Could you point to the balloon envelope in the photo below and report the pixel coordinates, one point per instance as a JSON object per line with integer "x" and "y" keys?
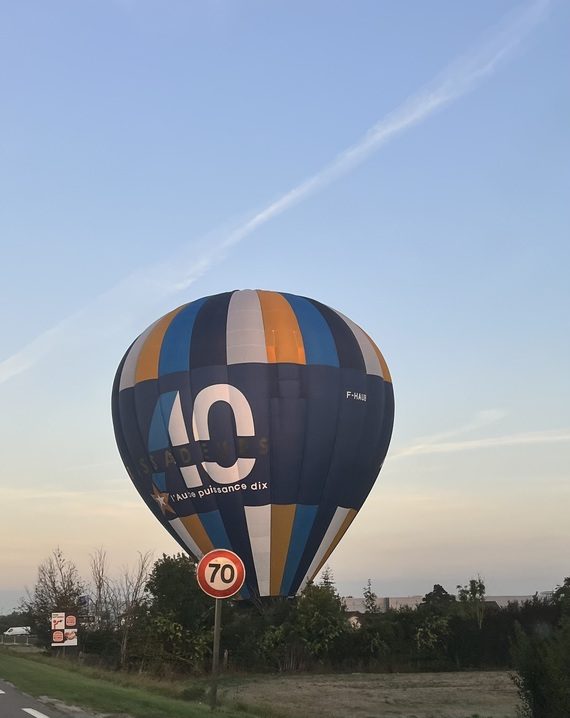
{"x": 258, "y": 422}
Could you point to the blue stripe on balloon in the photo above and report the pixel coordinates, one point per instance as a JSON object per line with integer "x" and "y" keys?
{"x": 323, "y": 517}
{"x": 302, "y": 525}
{"x": 158, "y": 432}
{"x": 348, "y": 349}
{"x": 214, "y": 527}
{"x": 318, "y": 340}
{"x": 159, "y": 480}
{"x": 175, "y": 350}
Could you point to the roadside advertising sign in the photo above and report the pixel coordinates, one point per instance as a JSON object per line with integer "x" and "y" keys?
{"x": 63, "y": 629}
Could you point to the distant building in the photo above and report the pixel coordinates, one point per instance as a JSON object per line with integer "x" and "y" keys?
{"x": 355, "y": 606}
{"x": 503, "y": 601}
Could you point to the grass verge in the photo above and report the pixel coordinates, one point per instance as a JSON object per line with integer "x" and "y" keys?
{"x": 106, "y": 691}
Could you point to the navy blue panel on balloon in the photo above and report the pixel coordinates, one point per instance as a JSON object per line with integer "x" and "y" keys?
{"x": 208, "y": 346}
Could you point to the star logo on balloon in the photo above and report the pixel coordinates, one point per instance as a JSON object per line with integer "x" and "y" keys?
{"x": 161, "y": 499}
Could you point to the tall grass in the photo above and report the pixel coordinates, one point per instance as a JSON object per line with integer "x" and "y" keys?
{"x": 106, "y": 691}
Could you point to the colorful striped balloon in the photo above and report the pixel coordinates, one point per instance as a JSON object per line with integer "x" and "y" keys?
{"x": 258, "y": 422}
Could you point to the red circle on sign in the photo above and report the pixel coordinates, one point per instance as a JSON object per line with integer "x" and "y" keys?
{"x": 220, "y": 573}
{"x": 70, "y": 621}
{"x": 57, "y": 637}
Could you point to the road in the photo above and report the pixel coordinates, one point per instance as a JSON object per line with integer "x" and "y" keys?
{"x": 14, "y": 704}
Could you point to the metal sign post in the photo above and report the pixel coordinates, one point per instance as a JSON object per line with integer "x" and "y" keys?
{"x": 220, "y": 574}
{"x": 216, "y": 653}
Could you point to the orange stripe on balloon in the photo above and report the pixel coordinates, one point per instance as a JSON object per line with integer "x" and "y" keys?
{"x": 147, "y": 364}
{"x": 194, "y": 526}
{"x": 349, "y": 518}
{"x": 385, "y": 371}
{"x": 283, "y": 337}
{"x": 282, "y": 517}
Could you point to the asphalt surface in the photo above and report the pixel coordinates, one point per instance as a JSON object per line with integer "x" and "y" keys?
{"x": 14, "y": 704}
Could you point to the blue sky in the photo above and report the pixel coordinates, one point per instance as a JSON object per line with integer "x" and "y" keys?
{"x": 143, "y": 147}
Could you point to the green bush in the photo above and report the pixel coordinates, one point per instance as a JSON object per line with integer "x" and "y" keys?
{"x": 542, "y": 661}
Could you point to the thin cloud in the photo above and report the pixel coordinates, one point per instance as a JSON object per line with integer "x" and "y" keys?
{"x": 459, "y": 78}
{"x": 522, "y": 439}
{"x": 94, "y": 465}
{"x": 480, "y": 421}
{"x": 35, "y": 350}
{"x": 45, "y": 502}
{"x": 84, "y": 497}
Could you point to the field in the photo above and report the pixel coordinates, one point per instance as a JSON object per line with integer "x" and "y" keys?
{"x": 397, "y": 695}
{"x": 400, "y": 695}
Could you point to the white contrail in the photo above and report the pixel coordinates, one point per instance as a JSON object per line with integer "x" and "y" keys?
{"x": 481, "y": 420}
{"x": 560, "y": 436}
{"x": 457, "y": 79}
{"x": 460, "y": 77}
{"x": 32, "y": 352}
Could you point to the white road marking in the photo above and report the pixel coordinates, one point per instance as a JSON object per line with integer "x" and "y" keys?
{"x": 2, "y": 692}
{"x": 34, "y": 713}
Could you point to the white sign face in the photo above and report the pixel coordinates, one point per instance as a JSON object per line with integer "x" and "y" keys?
{"x": 70, "y": 637}
{"x": 221, "y": 573}
{"x": 57, "y": 621}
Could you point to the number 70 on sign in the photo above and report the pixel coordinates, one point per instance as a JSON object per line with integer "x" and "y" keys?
{"x": 220, "y": 573}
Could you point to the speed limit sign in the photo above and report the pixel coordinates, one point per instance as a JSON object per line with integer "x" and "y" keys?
{"x": 220, "y": 573}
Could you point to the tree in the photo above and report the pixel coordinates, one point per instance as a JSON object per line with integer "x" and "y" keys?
{"x": 472, "y": 598}
{"x": 320, "y": 616}
{"x": 438, "y": 600}
{"x": 58, "y": 588}
{"x": 431, "y": 634}
{"x": 280, "y": 643}
{"x": 174, "y": 592}
{"x": 103, "y": 600}
{"x": 127, "y": 595}
{"x": 370, "y": 599}
{"x": 561, "y": 596}
{"x": 180, "y": 612}
{"x": 542, "y": 661}
{"x": 371, "y": 639}
{"x": 327, "y": 579}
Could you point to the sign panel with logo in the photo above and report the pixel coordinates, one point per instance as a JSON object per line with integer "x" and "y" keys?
{"x": 57, "y": 621}
{"x": 63, "y": 629}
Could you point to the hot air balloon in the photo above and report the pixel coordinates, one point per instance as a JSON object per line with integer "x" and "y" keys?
{"x": 258, "y": 422}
